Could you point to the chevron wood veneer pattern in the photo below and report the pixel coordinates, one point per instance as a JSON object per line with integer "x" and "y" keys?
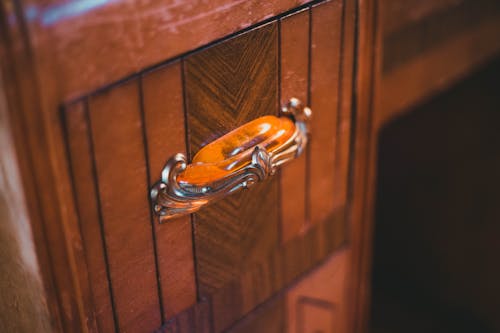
{"x": 226, "y": 86}
{"x": 280, "y": 270}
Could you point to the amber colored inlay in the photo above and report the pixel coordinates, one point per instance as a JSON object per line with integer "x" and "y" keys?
{"x": 233, "y": 151}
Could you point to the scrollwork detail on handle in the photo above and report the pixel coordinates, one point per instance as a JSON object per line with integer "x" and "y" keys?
{"x": 171, "y": 198}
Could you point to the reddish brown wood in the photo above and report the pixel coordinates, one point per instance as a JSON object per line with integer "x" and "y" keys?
{"x": 363, "y": 163}
{"x": 270, "y": 319}
{"x": 273, "y": 275}
{"x": 195, "y": 319}
{"x": 82, "y": 170}
{"x": 325, "y": 64}
{"x": 345, "y": 116}
{"x": 23, "y": 302}
{"x": 227, "y": 86}
{"x": 318, "y": 302}
{"x": 294, "y": 83}
{"x": 396, "y": 14}
{"x": 117, "y": 138}
{"x": 52, "y": 210}
{"x": 96, "y": 44}
{"x": 165, "y": 136}
{"x": 435, "y": 70}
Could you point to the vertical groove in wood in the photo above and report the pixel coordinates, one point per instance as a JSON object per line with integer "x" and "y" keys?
{"x": 228, "y": 85}
{"x": 165, "y": 133}
{"x": 115, "y": 123}
{"x": 345, "y": 116}
{"x": 306, "y": 252}
{"x": 294, "y": 83}
{"x": 81, "y": 164}
{"x": 308, "y": 148}
{"x": 318, "y": 302}
{"x": 325, "y": 62}
{"x": 75, "y": 236}
{"x": 147, "y": 189}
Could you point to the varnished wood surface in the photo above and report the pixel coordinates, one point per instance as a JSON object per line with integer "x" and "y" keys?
{"x": 23, "y": 300}
{"x": 57, "y": 80}
{"x": 294, "y": 71}
{"x": 287, "y": 264}
{"x": 434, "y": 43}
{"x": 326, "y": 34}
{"x": 152, "y": 107}
{"x": 363, "y": 162}
{"x": 94, "y": 43}
{"x": 38, "y": 169}
{"x": 87, "y": 206}
{"x": 318, "y": 303}
{"x": 163, "y": 107}
{"x": 117, "y": 138}
{"x": 268, "y": 318}
{"x": 398, "y": 14}
{"x": 426, "y": 47}
{"x": 227, "y": 86}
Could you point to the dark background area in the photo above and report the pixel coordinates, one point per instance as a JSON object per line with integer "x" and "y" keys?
{"x": 437, "y": 231}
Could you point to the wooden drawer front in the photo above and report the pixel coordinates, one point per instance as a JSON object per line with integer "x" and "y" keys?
{"x": 218, "y": 264}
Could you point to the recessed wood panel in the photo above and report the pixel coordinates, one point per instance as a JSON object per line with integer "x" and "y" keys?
{"x": 318, "y": 302}
{"x": 326, "y": 34}
{"x": 82, "y": 169}
{"x": 294, "y": 83}
{"x": 227, "y": 86}
{"x": 117, "y": 137}
{"x": 165, "y": 136}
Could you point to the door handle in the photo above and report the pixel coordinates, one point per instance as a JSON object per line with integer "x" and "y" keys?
{"x": 235, "y": 161}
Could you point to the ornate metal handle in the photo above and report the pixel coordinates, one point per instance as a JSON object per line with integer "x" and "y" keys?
{"x": 235, "y": 161}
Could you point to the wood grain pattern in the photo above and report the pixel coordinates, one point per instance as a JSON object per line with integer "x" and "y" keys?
{"x": 269, "y": 318}
{"x": 196, "y": 319}
{"x": 363, "y": 165}
{"x": 325, "y": 65}
{"x": 383, "y": 96}
{"x": 472, "y": 48}
{"x": 97, "y": 43}
{"x": 227, "y": 305}
{"x": 318, "y": 302}
{"x": 23, "y": 301}
{"x": 397, "y": 14}
{"x": 235, "y": 281}
{"x": 82, "y": 169}
{"x": 117, "y": 138}
{"x": 165, "y": 136}
{"x": 52, "y": 210}
{"x": 227, "y": 86}
{"x": 294, "y": 83}
{"x": 414, "y": 39}
{"x": 466, "y": 29}
{"x": 347, "y": 109}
